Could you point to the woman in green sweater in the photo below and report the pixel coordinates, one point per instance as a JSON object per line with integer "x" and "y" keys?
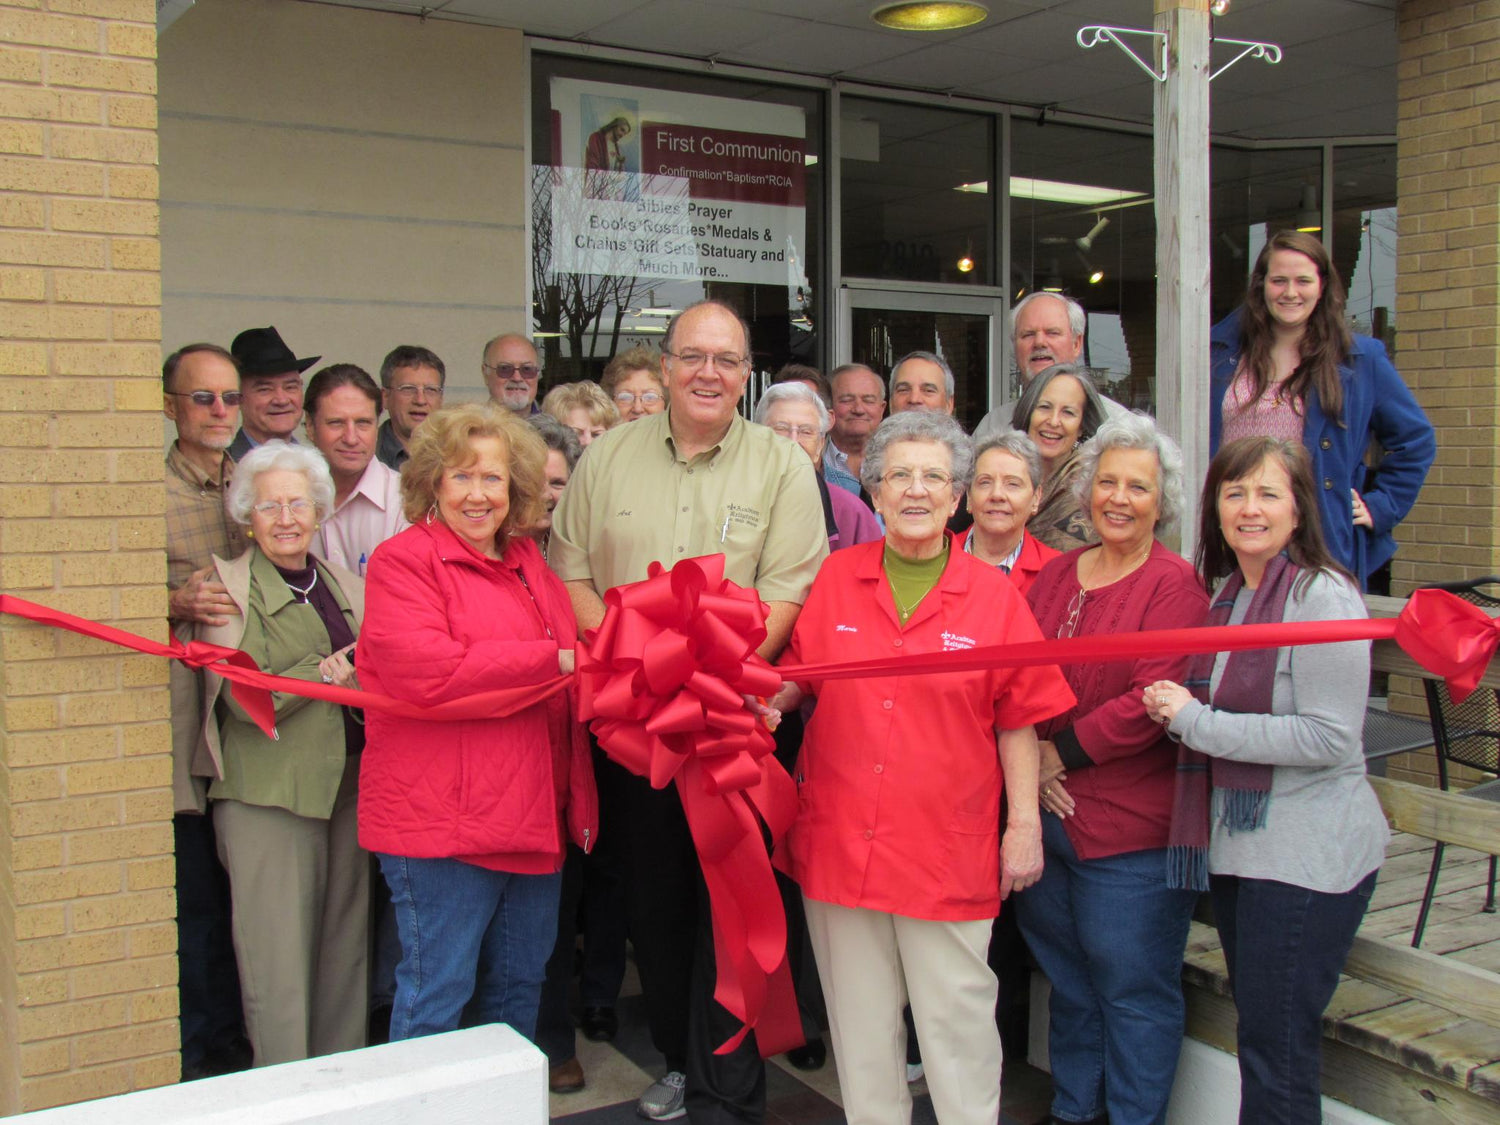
{"x": 284, "y": 809}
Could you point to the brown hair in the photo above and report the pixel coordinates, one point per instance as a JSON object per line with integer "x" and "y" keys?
{"x": 1239, "y": 459}
{"x": 629, "y": 362}
{"x": 173, "y": 361}
{"x": 1325, "y": 340}
{"x": 445, "y": 441}
{"x": 801, "y": 373}
{"x": 334, "y": 376}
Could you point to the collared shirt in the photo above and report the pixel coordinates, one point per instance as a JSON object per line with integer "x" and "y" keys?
{"x": 1008, "y": 561}
{"x": 836, "y": 468}
{"x": 198, "y": 528}
{"x": 634, "y": 499}
{"x": 899, "y": 780}
{"x": 388, "y": 448}
{"x": 243, "y": 443}
{"x": 369, "y": 515}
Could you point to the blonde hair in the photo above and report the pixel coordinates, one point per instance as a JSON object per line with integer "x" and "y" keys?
{"x": 628, "y": 363}
{"x": 585, "y": 395}
{"x": 445, "y": 440}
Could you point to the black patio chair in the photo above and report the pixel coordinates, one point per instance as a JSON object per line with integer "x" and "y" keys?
{"x": 1467, "y": 734}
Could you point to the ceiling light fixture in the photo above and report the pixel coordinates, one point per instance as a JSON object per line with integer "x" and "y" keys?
{"x": 1086, "y": 243}
{"x": 966, "y": 264}
{"x": 930, "y": 15}
{"x": 1056, "y": 191}
{"x": 1219, "y": 8}
{"x": 1309, "y": 218}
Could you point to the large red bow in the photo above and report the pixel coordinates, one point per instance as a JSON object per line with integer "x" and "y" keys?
{"x": 1448, "y": 636}
{"x": 663, "y": 680}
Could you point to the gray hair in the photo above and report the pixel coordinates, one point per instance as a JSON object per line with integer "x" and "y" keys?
{"x": 792, "y": 392}
{"x": 1019, "y": 446}
{"x": 1078, "y": 320}
{"x": 557, "y": 436}
{"x": 918, "y": 425}
{"x": 930, "y": 357}
{"x": 277, "y": 454}
{"x": 1136, "y": 430}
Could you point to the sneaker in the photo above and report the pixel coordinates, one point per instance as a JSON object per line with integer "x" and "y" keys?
{"x": 664, "y": 1099}
{"x": 914, "y": 1072}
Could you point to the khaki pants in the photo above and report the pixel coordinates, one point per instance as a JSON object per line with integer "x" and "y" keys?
{"x": 300, "y": 892}
{"x": 871, "y": 964}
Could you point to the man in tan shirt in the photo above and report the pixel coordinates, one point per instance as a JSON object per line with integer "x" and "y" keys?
{"x": 201, "y": 394}
{"x": 696, "y": 480}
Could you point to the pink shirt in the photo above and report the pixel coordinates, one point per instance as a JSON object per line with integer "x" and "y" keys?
{"x": 369, "y": 516}
{"x": 1272, "y": 415}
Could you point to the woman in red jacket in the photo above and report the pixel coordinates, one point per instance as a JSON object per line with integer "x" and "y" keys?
{"x": 1102, "y": 922}
{"x": 467, "y": 817}
{"x": 1006, "y": 493}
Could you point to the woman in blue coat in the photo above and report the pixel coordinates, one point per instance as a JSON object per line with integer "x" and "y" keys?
{"x": 1285, "y": 366}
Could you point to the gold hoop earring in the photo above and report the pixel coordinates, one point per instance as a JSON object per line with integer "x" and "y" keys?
{"x": 431, "y": 515}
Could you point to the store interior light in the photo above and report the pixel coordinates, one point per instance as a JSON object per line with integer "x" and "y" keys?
{"x": 1055, "y": 191}
{"x": 966, "y": 264}
{"x": 662, "y": 312}
{"x": 1309, "y": 215}
{"x": 930, "y": 15}
{"x": 1219, "y": 8}
{"x": 1096, "y": 277}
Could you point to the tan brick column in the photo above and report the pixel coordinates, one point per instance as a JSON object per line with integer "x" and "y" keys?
{"x": 88, "y": 998}
{"x": 1447, "y": 299}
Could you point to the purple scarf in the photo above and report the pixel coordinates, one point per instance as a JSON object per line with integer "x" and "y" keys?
{"x": 1237, "y": 794}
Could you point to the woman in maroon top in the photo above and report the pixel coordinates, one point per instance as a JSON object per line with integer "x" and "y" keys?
{"x": 1102, "y": 922}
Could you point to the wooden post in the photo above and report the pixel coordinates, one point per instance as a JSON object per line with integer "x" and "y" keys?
{"x": 1182, "y": 242}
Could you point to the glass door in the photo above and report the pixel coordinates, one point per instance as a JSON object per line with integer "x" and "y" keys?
{"x": 877, "y": 326}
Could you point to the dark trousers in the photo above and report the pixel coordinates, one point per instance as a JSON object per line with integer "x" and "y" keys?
{"x": 208, "y": 978}
{"x": 593, "y": 898}
{"x": 1284, "y": 946}
{"x": 674, "y": 950}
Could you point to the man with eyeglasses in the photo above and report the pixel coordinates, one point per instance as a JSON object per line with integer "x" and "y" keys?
{"x": 512, "y": 372}
{"x": 696, "y": 480}
{"x": 412, "y": 380}
{"x": 201, "y": 395}
{"x": 858, "y": 407}
{"x": 271, "y": 380}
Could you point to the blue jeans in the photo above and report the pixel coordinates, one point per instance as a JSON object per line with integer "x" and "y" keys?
{"x": 1285, "y": 947}
{"x": 1110, "y": 934}
{"x": 473, "y": 942}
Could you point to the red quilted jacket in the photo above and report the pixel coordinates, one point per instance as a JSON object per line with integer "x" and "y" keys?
{"x": 442, "y": 622}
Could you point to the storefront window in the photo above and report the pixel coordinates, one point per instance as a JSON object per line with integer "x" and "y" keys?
{"x": 917, "y": 202}
{"x": 651, "y": 190}
{"x": 1364, "y": 237}
{"x": 1255, "y": 194}
{"x": 1083, "y": 224}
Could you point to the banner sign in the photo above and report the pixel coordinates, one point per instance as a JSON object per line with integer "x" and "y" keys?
{"x": 658, "y": 184}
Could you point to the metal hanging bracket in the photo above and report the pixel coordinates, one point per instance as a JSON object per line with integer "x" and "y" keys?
{"x": 1095, "y": 34}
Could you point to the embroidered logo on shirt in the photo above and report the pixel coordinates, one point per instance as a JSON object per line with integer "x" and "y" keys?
{"x": 952, "y": 641}
{"x": 845, "y": 629}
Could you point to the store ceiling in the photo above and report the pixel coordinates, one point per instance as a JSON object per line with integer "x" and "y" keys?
{"x": 1337, "y": 77}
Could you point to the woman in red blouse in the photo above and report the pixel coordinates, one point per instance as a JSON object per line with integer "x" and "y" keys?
{"x": 1102, "y": 922}
{"x": 897, "y": 844}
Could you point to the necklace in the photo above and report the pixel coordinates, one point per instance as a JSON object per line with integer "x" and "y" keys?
{"x": 1075, "y": 605}
{"x": 300, "y": 590}
{"x": 907, "y": 610}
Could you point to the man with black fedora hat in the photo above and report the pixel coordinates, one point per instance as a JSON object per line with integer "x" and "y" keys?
{"x": 271, "y": 381}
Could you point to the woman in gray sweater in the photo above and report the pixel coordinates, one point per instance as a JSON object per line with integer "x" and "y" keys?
{"x": 1273, "y": 811}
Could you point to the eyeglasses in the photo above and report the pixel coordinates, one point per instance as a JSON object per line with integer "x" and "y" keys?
{"x": 208, "y": 398}
{"x": 506, "y": 370}
{"x": 412, "y": 390}
{"x": 645, "y": 398}
{"x": 932, "y": 479}
{"x": 297, "y": 509}
{"x": 725, "y": 363}
{"x": 796, "y": 433}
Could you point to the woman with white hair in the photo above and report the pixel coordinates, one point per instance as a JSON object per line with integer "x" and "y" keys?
{"x": 796, "y": 412}
{"x": 284, "y": 808}
{"x": 1102, "y": 921}
{"x": 897, "y": 845}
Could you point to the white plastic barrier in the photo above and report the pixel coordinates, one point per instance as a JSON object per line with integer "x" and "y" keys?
{"x": 488, "y": 1074}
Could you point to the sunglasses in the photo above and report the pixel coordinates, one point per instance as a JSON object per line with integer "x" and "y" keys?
{"x": 207, "y": 398}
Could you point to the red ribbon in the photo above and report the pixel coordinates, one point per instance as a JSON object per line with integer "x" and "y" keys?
{"x": 662, "y": 678}
{"x": 662, "y": 681}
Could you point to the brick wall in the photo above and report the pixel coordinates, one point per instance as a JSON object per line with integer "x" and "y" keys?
{"x": 88, "y": 998}
{"x": 1448, "y": 294}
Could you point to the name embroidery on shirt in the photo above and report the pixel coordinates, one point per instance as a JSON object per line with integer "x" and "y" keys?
{"x": 845, "y": 629}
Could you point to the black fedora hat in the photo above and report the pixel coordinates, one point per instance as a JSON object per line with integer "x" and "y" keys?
{"x": 261, "y": 351}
